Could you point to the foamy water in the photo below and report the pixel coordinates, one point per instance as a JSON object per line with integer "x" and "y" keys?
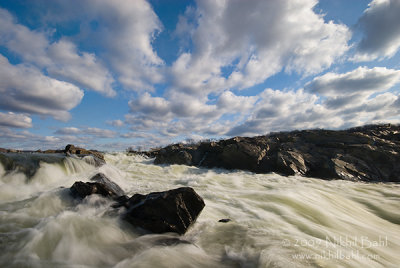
{"x": 276, "y": 221}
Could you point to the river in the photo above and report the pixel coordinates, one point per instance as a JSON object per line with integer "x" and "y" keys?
{"x": 276, "y": 221}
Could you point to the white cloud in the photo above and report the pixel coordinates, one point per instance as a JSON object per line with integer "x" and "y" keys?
{"x": 277, "y": 110}
{"x": 183, "y": 114}
{"x": 68, "y": 131}
{"x": 123, "y": 32}
{"x": 115, "y": 123}
{"x": 269, "y": 36}
{"x": 100, "y": 133}
{"x": 360, "y": 80}
{"x": 87, "y": 131}
{"x": 23, "y": 88}
{"x": 61, "y": 59}
{"x": 379, "y": 26}
{"x": 15, "y": 120}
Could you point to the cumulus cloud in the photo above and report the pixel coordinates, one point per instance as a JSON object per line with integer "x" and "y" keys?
{"x": 379, "y": 26}
{"x": 269, "y": 36}
{"x": 360, "y": 80}
{"x": 278, "y": 110}
{"x": 15, "y": 120}
{"x": 123, "y": 32}
{"x": 183, "y": 115}
{"x": 23, "y": 88}
{"x": 61, "y": 59}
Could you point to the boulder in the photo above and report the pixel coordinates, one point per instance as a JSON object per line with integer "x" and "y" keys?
{"x": 160, "y": 212}
{"x": 101, "y": 185}
{"x": 101, "y": 178}
{"x": 82, "y": 189}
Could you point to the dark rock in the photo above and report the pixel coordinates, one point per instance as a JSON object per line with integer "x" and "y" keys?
{"x": 224, "y": 220}
{"x": 82, "y": 189}
{"x": 369, "y": 153}
{"x": 101, "y": 178}
{"x": 170, "y": 211}
{"x": 98, "y": 158}
{"x": 101, "y": 185}
{"x": 174, "y": 156}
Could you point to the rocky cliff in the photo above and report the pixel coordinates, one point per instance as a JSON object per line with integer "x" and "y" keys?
{"x": 369, "y": 153}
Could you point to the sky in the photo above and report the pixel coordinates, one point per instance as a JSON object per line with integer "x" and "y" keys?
{"x": 113, "y": 74}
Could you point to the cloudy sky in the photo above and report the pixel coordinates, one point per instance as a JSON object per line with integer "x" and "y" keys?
{"x": 111, "y": 74}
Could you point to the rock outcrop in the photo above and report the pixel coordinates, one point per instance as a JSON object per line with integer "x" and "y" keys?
{"x": 369, "y": 153}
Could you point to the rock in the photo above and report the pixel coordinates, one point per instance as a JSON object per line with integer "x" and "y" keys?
{"x": 101, "y": 178}
{"x": 369, "y": 153}
{"x": 82, "y": 189}
{"x": 101, "y": 185}
{"x": 173, "y": 155}
{"x": 98, "y": 158}
{"x": 160, "y": 212}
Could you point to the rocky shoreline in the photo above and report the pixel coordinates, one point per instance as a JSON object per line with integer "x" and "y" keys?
{"x": 369, "y": 153}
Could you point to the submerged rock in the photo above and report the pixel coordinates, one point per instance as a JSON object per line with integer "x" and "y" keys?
{"x": 170, "y": 211}
{"x": 369, "y": 153}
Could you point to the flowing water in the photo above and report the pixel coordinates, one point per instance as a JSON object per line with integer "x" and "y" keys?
{"x": 276, "y": 221}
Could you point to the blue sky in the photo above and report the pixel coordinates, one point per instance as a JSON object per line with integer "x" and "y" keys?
{"x": 114, "y": 74}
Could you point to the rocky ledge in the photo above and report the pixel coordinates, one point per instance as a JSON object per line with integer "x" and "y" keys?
{"x": 369, "y": 153}
{"x": 28, "y": 162}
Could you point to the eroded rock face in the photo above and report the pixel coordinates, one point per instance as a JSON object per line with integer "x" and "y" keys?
{"x": 370, "y": 153}
{"x": 170, "y": 211}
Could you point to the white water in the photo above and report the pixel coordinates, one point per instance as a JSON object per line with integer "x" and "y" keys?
{"x": 276, "y": 221}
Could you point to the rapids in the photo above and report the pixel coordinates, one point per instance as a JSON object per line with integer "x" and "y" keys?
{"x": 276, "y": 221}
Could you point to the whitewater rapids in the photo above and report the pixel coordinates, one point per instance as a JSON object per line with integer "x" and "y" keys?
{"x": 276, "y": 221}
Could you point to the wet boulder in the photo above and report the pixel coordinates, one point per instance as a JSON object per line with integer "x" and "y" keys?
{"x": 82, "y": 189}
{"x": 101, "y": 178}
{"x": 101, "y": 185}
{"x": 160, "y": 212}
